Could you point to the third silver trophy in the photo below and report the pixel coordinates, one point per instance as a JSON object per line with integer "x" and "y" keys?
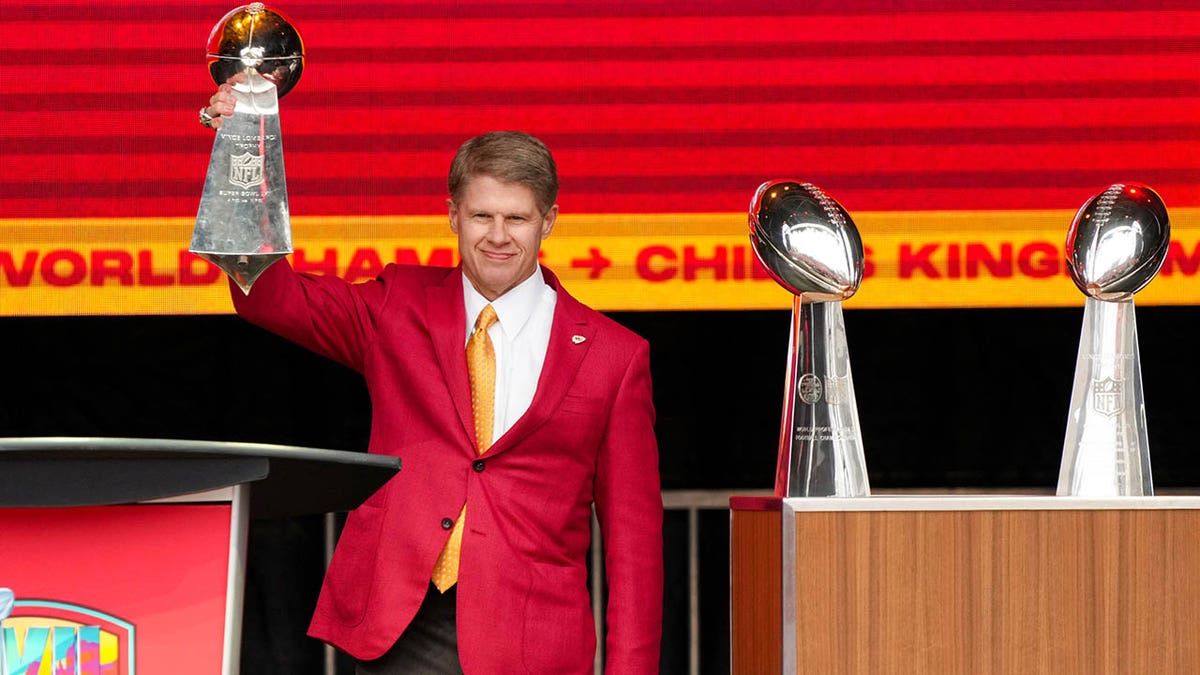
{"x": 1116, "y": 245}
{"x": 810, "y": 246}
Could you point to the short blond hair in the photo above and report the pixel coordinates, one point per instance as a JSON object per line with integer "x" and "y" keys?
{"x": 510, "y": 157}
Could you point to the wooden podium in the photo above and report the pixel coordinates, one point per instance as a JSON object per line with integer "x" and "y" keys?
{"x": 127, "y": 555}
{"x": 976, "y": 585}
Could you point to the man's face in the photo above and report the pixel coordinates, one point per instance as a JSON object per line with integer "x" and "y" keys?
{"x": 500, "y": 230}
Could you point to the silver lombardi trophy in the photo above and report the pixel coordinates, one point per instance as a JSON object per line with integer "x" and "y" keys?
{"x": 1115, "y": 246}
{"x": 243, "y": 224}
{"x": 810, "y": 246}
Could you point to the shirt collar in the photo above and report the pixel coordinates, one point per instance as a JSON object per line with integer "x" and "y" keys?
{"x": 513, "y": 309}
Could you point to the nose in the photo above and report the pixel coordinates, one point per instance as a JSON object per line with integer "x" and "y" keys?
{"x": 497, "y": 231}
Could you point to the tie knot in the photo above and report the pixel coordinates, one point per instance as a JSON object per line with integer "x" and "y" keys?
{"x": 487, "y": 317}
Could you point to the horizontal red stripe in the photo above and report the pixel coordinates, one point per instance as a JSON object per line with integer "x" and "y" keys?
{"x": 649, "y": 162}
{"x": 874, "y": 77}
{"x": 803, "y": 122}
{"x": 1061, "y": 92}
{"x": 730, "y": 199}
{"x": 117, "y": 11}
{"x": 626, "y": 184}
{"x": 1164, "y": 142}
{"x": 68, "y": 29}
{"x": 454, "y": 55}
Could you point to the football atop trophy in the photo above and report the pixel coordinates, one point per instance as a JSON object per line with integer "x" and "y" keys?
{"x": 1118, "y": 241}
{"x": 259, "y": 37}
{"x": 806, "y": 240}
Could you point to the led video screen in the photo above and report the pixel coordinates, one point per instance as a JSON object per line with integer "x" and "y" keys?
{"x": 961, "y": 136}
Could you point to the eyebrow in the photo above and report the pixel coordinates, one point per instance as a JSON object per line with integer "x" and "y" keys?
{"x": 508, "y": 214}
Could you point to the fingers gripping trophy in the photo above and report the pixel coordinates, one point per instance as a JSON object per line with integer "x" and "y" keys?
{"x": 1116, "y": 245}
{"x": 810, "y": 246}
{"x": 243, "y": 223}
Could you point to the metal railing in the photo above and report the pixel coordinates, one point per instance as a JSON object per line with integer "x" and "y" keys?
{"x": 691, "y": 502}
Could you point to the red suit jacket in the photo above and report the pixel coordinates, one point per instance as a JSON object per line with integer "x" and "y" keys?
{"x": 523, "y": 602}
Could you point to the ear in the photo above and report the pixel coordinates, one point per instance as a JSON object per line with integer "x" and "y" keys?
{"x": 549, "y": 220}
{"x": 453, "y": 216}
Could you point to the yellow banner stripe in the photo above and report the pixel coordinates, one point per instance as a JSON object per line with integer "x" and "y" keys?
{"x": 661, "y": 261}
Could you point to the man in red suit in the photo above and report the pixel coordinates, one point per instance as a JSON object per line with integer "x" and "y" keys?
{"x": 572, "y": 428}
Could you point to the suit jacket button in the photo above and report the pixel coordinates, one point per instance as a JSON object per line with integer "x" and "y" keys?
{"x": 447, "y": 523}
{"x": 478, "y": 465}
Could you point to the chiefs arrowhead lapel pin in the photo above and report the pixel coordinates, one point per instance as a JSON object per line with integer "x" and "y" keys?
{"x": 577, "y": 339}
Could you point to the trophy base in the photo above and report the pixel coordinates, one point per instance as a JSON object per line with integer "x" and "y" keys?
{"x": 243, "y": 268}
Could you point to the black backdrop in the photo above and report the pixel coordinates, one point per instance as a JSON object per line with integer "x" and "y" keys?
{"x": 947, "y": 398}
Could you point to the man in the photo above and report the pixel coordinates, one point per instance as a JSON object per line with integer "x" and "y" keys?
{"x": 473, "y": 556}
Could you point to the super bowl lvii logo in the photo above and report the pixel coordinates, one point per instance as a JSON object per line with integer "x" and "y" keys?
{"x": 47, "y": 637}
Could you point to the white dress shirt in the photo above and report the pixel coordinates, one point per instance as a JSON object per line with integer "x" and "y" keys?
{"x": 519, "y": 337}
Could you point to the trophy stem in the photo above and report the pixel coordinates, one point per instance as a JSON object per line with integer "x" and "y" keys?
{"x": 1106, "y": 451}
{"x": 243, "y": 223}
{"x": 820, "y": 443}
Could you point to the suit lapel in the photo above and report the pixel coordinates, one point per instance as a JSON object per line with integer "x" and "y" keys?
{"x": 570, "y": 338}
{"x": 447, "y": 321}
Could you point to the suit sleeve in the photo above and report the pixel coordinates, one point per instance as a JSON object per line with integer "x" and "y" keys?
{"x": 324, "y": 314}
{"x": 629, "y": 507}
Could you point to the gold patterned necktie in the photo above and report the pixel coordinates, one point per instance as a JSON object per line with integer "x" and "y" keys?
{"x": 481, "y": 369}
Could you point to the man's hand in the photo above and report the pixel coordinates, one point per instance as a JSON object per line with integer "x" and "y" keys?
{"x": 221, "y": 104}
